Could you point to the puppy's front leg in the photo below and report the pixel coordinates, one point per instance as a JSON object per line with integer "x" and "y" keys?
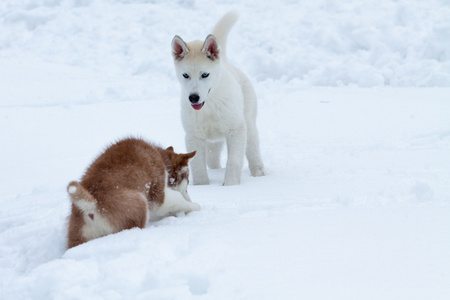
{"x": 236, "y": 149}
{"x": 198, "y": 163}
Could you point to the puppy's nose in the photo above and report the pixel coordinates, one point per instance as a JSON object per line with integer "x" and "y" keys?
{"x": 194, "y": 98}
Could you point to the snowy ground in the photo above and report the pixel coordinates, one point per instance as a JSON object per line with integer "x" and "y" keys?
{"x": 354, "y": 118}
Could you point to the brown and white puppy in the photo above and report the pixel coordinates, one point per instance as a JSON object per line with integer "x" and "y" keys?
{"x": 130, "y": 182}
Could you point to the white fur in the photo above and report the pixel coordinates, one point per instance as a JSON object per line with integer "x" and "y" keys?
{"x": 72, "y": 189}
{"x": 98, "y": 227}
{"x": 86, "y": 205}
{"x": 229, "y": 110}
{"x": 174, "y": 203}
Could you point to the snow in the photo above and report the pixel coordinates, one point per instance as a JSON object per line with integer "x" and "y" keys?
{"x": 354, "y": 121}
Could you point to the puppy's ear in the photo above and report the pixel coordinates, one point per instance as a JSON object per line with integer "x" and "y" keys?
{"x": 211, "y": 47}
{"x": 179, "y": 48}
{"x": 186, "y": 157}
{"x": 170, "y": 149}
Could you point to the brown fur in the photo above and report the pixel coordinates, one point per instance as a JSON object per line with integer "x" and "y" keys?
{"x": 120, "y": 184}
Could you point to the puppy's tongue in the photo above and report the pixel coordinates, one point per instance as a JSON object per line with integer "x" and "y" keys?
{"x": 197, "y": 106}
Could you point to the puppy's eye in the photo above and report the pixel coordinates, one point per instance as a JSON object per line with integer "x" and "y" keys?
{"x": 186, "y": 76}
{"x": 205, "y": 75}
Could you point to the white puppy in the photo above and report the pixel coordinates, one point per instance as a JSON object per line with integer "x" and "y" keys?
{"x": 218, "y": 103}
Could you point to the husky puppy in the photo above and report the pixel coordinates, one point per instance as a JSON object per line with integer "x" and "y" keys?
{"x": 126, "y": 185}
{"x": 218, "y": 103}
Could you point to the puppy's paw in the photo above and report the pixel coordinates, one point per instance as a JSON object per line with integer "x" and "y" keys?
{"x": 232, "y": 181}
{"x": 257, "y": 171}
{"x": 194, "y": 207}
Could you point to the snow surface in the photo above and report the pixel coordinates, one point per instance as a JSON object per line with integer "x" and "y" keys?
{"x": 354, "y": 119}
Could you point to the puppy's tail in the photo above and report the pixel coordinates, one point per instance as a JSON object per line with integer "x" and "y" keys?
{"x": 222, "y": 29}
{"x": 81, "y": 197}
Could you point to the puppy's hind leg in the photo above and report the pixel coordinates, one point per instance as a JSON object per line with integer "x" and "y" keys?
{"x": 253, "y": 154}
{"x": 84, "y": 205}
{"x": 213, "y": 154}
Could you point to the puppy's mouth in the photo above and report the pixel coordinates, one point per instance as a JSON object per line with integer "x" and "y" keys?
{"x": 198, "y": 106}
